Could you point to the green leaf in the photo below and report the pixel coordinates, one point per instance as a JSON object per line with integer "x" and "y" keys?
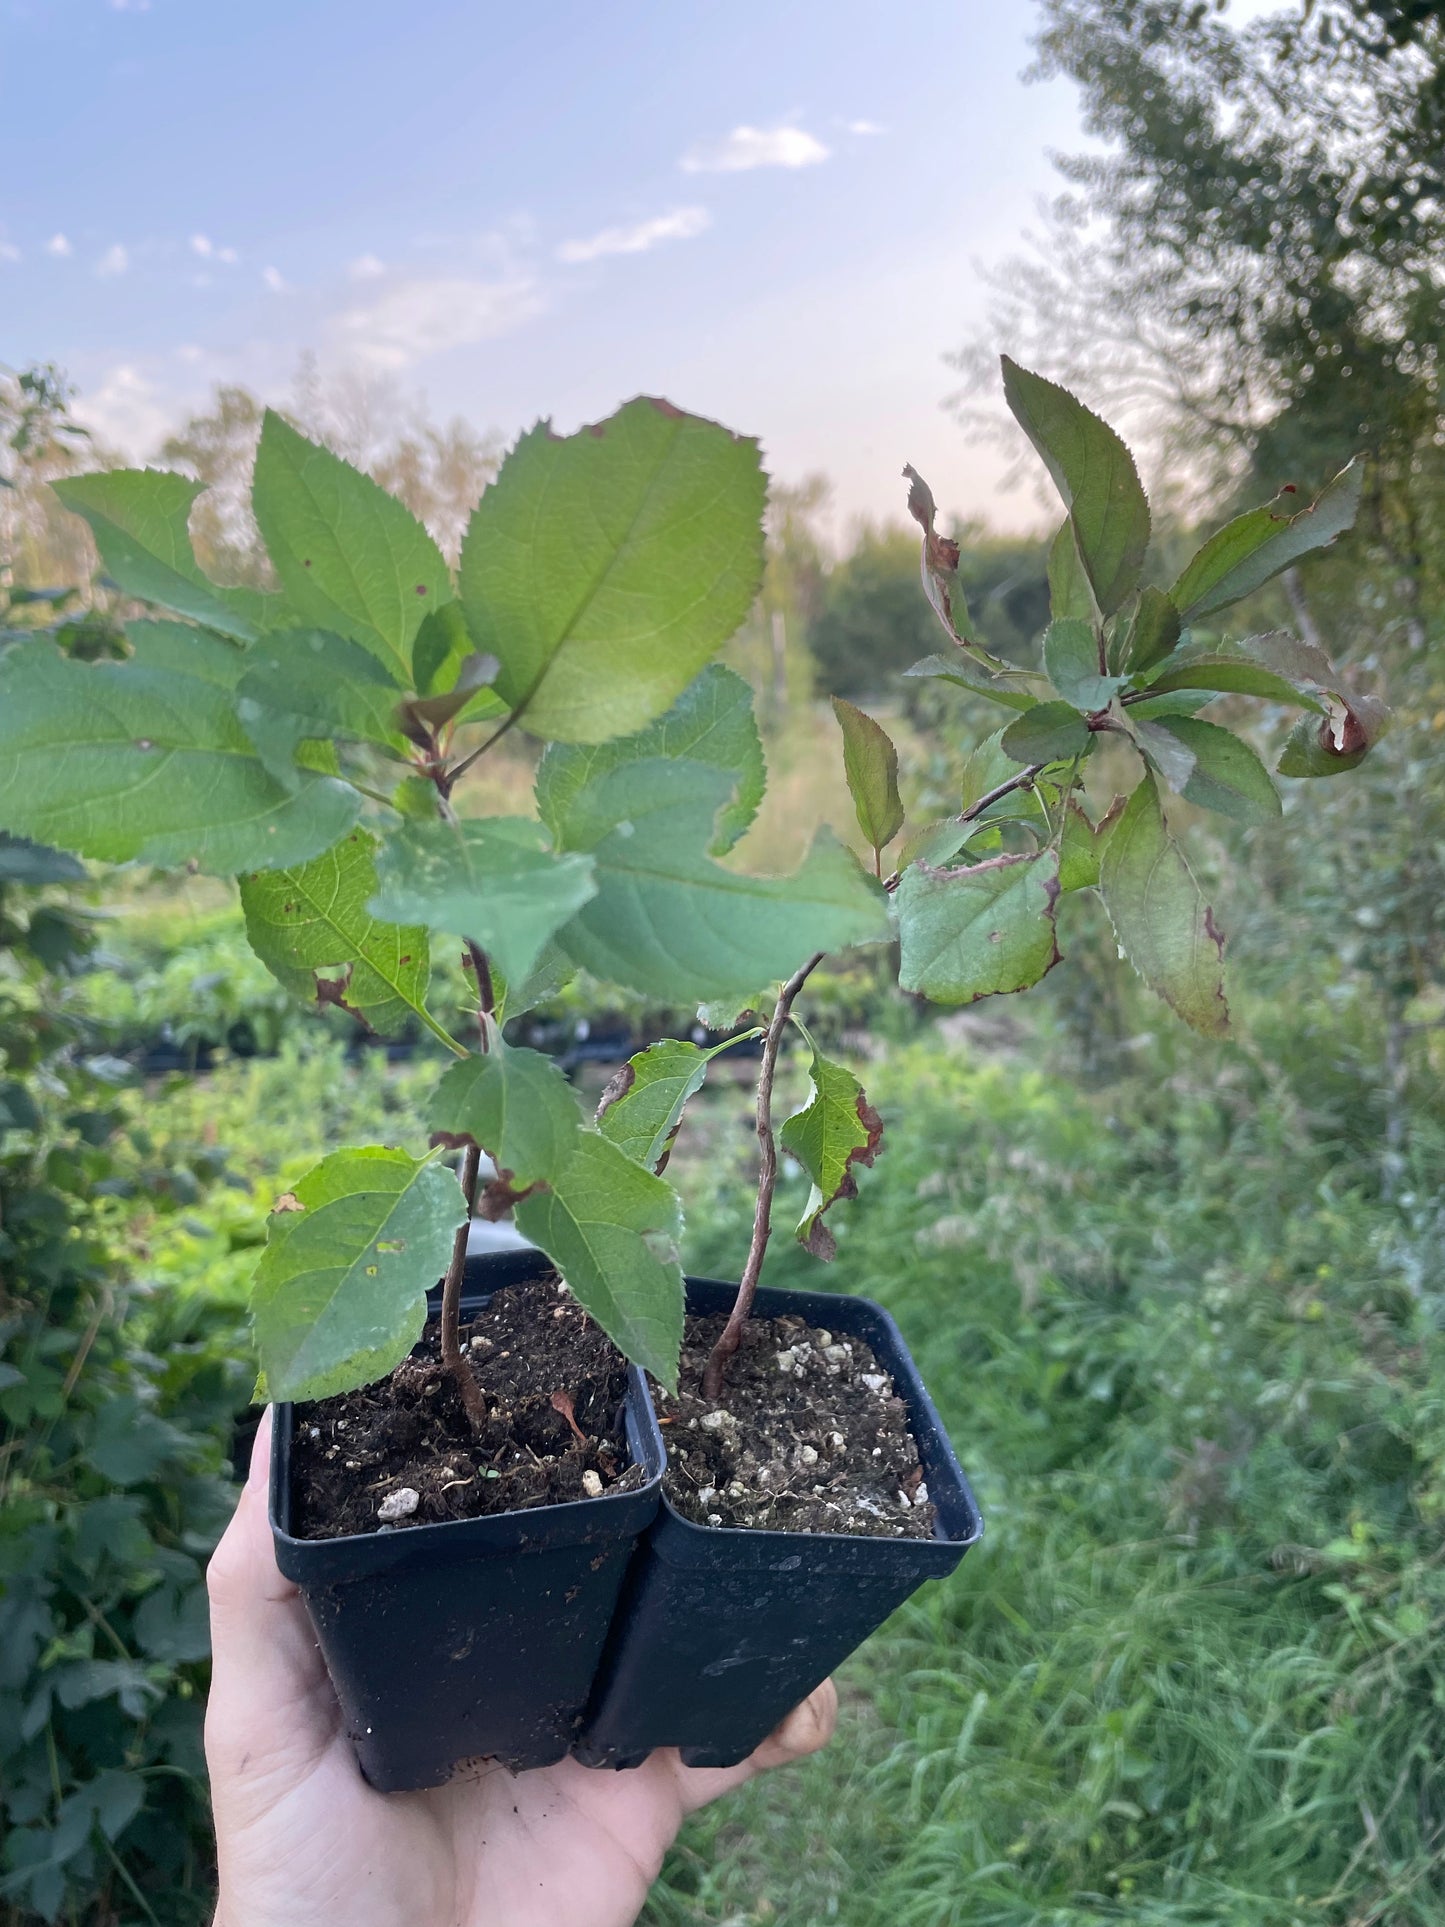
{"x": 339, "y": 1297}
{"x": 603, "y": 569}
{"x": 1167, "y": 753}
{"x": 1275, "y": 667}
{"x": 549, "y": 976}
{"x": 350, "y": 557}
{"x": 22, "y": 861}
{"x": 1071, "y": 656}
{"x": 1082, "y": 846}
{"x": 515, "y": 1104}
{"x": 1341, "y": 740}
{"x": 179, "y": 649}
{"x": 941, "y": 582}
{"x": 1183, "y": 702}
{"x": 1071, "y": 596}
{"x": 1161, "y": 920}
{"x": 121, "y": 762}
{"x": 838, "y": 1129}
{"x": 611, "y": 1229}
{"x": 870, "y": 763}
{"x": 1047, "y": 733}
{"x": 442, "y": 644}
{"x": 669, "y": 922}
{"x": 302, "y": 684}
{"x": 470, "y": 696}
{"x": 642, "y": 1107}
{"x": 984, "y": 675}
{"x": 492, "y": 879}
{"x": 1095, "y": 475}
{"x": 313, "y": 918}
{"x": 140, "y": 519}
{"x": 1226, "y": 776}
{"x": 1243, "y": 555}
{"x": 1153, "y": 634}
{"x": 711, "y": 722}
{"x": 974, "y": 932}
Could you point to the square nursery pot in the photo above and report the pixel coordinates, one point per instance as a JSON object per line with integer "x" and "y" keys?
{"x": 474, "y": 1637}
{"x": 722, "y": 1631}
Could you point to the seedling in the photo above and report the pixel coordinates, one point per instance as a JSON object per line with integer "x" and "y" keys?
{"x": 315, "y": 743}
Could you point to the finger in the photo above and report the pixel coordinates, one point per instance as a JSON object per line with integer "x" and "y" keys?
{"x": 807, "y": 1728}
{"x": 264, "y": 1659}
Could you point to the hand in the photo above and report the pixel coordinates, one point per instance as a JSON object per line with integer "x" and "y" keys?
{"x": 303, "y": 1841}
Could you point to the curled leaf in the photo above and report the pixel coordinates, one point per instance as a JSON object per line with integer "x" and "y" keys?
{"x": 838, "y": 1129}
{"x": 1337, "y": 741}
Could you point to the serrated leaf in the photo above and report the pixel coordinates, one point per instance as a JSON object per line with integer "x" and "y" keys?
{"x": 1082, "y": 846}
{"x": 837, "y": 1129}
{"x": 985, "y": 675}
{"x": 1071, "y": 657}
{"x": 975, "y": 932}
{"x": 1226, "y": 775}
{"x": 493, "y": 879}
{"x": 870, "y": 763}
{"x": 181, "y": 649}
{"x": 301, "y": 684}
{"x": 611, "y": 1229}
{"x": 550, "y": 975}
{"x": 603, "y": 569}
{"x": 1164, "y": 751}
{"x": 939, "y": 563}
{"x": 711, "y": 722}
{"x": 1153, "y": 634}
{"x": 441, "y": 645}
{"x": 339, "y": 1297}
{"x": 669, "y": 922}
{"x": 1047, "y": 733}
{"x": 1161, "y": 920}
{"x": 314, "y": 918}
{"x": 1071, "y": 595}
{"x": 140, "y": 519}
{"x": 642, "y": 1107}
{"x": 1338, "y": 742}
{"x": 1247, "y": 552}
{"x": 1276, "y": 667}
{"x": 1180, "y": 702}
{"x": 351, "y": 558}
{"x": 420, "y": 716}
{"x": 1095, "y": 475}
{"x": 515, "y": 1104}
{"x": 22, "y": 861}
{"x": 121, "y": 763}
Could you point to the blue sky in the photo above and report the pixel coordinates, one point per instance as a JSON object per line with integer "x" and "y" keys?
{"x": 771, "y": 211}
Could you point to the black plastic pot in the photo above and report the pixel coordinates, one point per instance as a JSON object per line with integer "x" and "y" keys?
{"x": 721, "y": 1632}
{"x": 475, "y": 1638}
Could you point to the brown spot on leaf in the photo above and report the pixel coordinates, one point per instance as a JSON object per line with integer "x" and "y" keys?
{"x": 616, "y": 1088}
{"x": 421, "y": 588}
{"x": 288, "y": 1201}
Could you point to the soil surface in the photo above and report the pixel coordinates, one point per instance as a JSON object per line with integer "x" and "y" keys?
{"x": 809, "y": 1436}
{"x": 356, "y": 1458}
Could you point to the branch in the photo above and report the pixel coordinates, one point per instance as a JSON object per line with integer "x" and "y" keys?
{"x": 731, "y": 1335}
{"x": 452, "y": 1356}
{"x": 1024, "y": 780}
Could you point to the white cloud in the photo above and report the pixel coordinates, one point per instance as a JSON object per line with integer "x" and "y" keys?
{"x": 228, "y": 255}
{"x": 59, "y": 245}
{"x": 130, "y": 6}
{"x": 412, "y": 320}
{"x": 125, "y": 412}
{"x": 114, "y": 261}
{"x": 8, "y": 253}
{"x": 366, "y": 267}
{"x": 864, "y": 127}
{"x": 680, "y": 225}
{"x": 274, "y": 280}
{"x": 189, "y": 353}
{"x": 203, "y": 245}
{"x": 748, "y": 147}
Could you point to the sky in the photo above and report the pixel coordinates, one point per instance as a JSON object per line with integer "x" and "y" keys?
{"x": 774, "y": 212}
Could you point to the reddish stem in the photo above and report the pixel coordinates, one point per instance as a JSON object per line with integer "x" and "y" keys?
{"x": 731, "y": 1335}
{"x": 453, "y": 1357}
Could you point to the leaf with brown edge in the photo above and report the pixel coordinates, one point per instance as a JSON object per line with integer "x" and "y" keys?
{"x": 1163, "y": 924}
{"x": 641, "y": 1108}
{"x": 979, "y": 931}
{"x": 940, "y": 560}
{"x": 837, "y": 1130}
{"x": 1336, "y": 742}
